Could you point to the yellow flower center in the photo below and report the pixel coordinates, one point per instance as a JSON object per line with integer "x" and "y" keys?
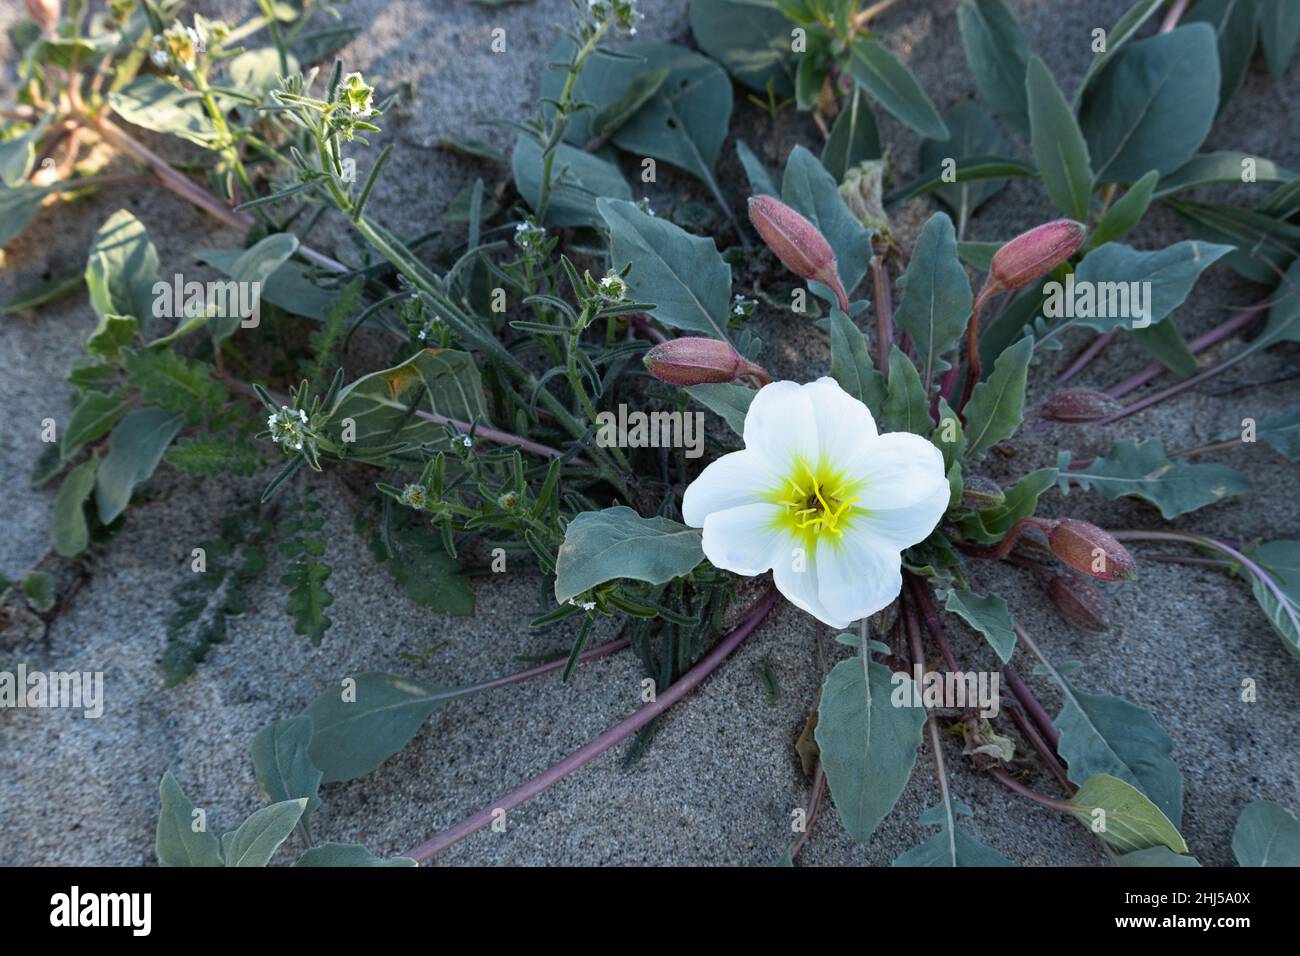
{"x": 816, "y": 500}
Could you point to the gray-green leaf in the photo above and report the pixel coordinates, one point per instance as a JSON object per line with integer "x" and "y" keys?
{"x": 936, "y": 300}
{"x": 135, "y": 448}
{"x": 600, "y": 546}
{"x": 282, "y": 762}
{"x": 1267, "y": 834}
{"x": 1058, "y": 146}
{"x": 348, "y": 854}
{"x": 997, "y": 404}
{"x": 1142, "y": 470}
{"x": 1123, "y": 816}
{"x": 988, "y": 614}
{"x": 890, "y": 82}
{"x": 997, "y": 53}
{"x": 177, "y": 842}
{"x": 258, "y": 837}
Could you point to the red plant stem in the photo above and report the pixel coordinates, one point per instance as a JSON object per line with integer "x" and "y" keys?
{"x": 1015, "y": 786}
{"x": 1088, "y": 354}
{"x": 884, "y": 315}
{"x": 1032, "y": 707}
{"x": 814, "y": 805}
{"x": 972, "y": 352}
{"x": 643, "y": 327}
{"x": 591, "y": 654}
{"x": 1199, "y": 344}
{"x": 1172, "y": 390}
{"x": 620, "y": 731}
{"x": 1176, "y": 11}
{"x": 1031, "y": 732}
{"x": 997, "y": 552}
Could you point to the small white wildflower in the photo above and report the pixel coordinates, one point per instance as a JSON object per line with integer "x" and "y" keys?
{"x": 422, "y": 335}
{"x": 467, "y": 441}
{"x": 414, "y": 496}
{"x": 288, "y": 427}
{"x": 356, "y": 95}
{"x": 644, "y": 205}
{"x": 158, "y": 53}
{"x": 529, "y": 235}
{"x": 585, "y": 605}
{"x": 612, "y": 288}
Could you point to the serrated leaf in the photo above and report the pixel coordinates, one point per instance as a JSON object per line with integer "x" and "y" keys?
{"x": 891, "y": 84}
{"x": 348, "y": 854}
{"x": 810, "y": 190}
{"x": 1060, "y": 152}
{"x": 936, "y": 299}
{"x": 1267, "y": 834}
{"x": 283, "y": 764}
{"x": 258, "y": 837}
{"x": 997, "y": 404}
{"x": 683, "y": 276}
{"x": 210, "y": 456}
{"x": 907, "y": 407}
{"x": 1128, "y": 820}
{"x": 1101, "y": 734}
{"x": 868, "y": 746}
{"x": 174, "y": 383}
{"x": 365, "y": 721}
{"x": 176, "y": 842}
{"x": 1153, "y": 104}
{"x": 600, "y": 546}
{"x": 1142, "y": 470}
{"x": 988, "y": 614}
{"x": 851, "y": 364}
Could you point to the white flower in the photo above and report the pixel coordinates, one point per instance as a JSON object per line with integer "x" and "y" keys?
{"x": 821, "y": 499}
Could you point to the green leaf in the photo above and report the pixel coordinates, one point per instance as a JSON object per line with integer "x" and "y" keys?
{"x": 1163, "y": 342}
{"x": 974, "y": 133}
{"x": 683, "y": 276}
{"x": 988, "y": 614}
{"x": 991, "y": 526}
{"x": 152, "y": 103}
{"x": 348, "y": 854}
{"x": 868, "y": 746}
{"x": 1233, "y": 22}
{"x": 1122, "y": 815}
{"x": 1281, "y": 432}
{"x": 122, "y": 269}
{"x": 854, "y": 138}
{"x": 936, "y": 298}
{"x": 760, "y": 180}
{"x": 967, "y": 169}
{"x": 252, "y": 270}
{"x": 907, "y": 407}
{"x": 851, "y": 364}
{"x": 287, "y": 288}
{"x": 1142, "y": 470}
{"x": 731, "y": 402}
{"x": 258, "y": 837}
{"x": 1279, "y": 28}
{"x": 42, "y": 293}
{"x": 1125, "y": 213}
{"x": 640, "y": 91}
{"x": 68, "y": 527}
{"x": 259, "y": 70}
{"x": 750, "y": 38}
{"x": 209, "y": 456}
{"x": 812, "y": 191}
{"x": 1111, "y": 268}
{"x": 952, "y": 846}
{"x": 1267, "y": 834}
{"x": 600, "y": 546}
{"x": 18, "y": 207}
{"x": 1155, "y": 856}
{"x": 1153, "y": 104}
{"x": 177, "y": 842}
{"x": 1221, "y": 166}
{"x": 38, "y": 588}
{"x": 579, "y": 178}
{"x": 380, "y": 405}
{"x": 997, "y": 404}
{"x": 1118, "y": 35}
{"x": 364, "y": 722}
{"x": 891, "y": 83}
{"x": 174, "y": 383}
{"x": 1058, "y": 146}
{"x": 998, "y": 54}
{"x": 135, "y": 448}
{"x": 305, "y": 577}
{"x": 283, "y": 765}
{"x": 1101, "y": 734}
{"x": 93, "y": 418}
{"x": 1279, "y": 559}
{"x": 18, "y": 154}
{"x": 427, "y": 574}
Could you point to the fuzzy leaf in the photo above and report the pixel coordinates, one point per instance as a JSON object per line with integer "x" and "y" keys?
{"x": 348, "y": 854}
{"x": 890, "y": 83}
{"x": 283, "y": 765}
{"x": 936, "y": 299}
{"x": 997, "y": 404}
{"x": 176, "y": 842}
{"x": 600, "y": 546}
{"x": 212, "y": 455}
{"x": 1141, "y": 470}
{"x": 153, "y": 103}
{"x": 93, "y": 418}
{"x": 1267, "y": 834}
{"x": 174, "y": 383}
{"x": 1127, "y": 820}
{"x": 135, "y": 448}
{"x": 1059, "y": 148}
{"x": 258, "y": 837}
{"x": 988, "y": 614}
{"x": 252, "y": 270}
{"x": 68, "y": 528}
{"x": 122, "y": 268}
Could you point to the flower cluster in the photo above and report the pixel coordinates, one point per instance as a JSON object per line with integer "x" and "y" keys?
{"x": 177, "y": 46}
{"x": 289, "y": 427}
{"x": 622, "y": 15}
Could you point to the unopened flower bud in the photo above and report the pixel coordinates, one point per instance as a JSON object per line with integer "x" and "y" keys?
{"x": 46, "y": 13}
{"x": 1079, "y": 601}
{"x": 1033, "y": 254}
{"x": 1080, "y": 405}
{"x": 1091, "y": 551}
{"x": 981, "y": 494}
{"x": 797, "y": 243}
{"x": 698, "y": 361}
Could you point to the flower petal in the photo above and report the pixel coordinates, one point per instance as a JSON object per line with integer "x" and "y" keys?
{"x": 844, "y": 424}
{"x": 740, "y": 478}
{"x": 800, "y": 589}
{"x": 856, "y": 574}
{"x": 900, "y": 470}
{"x": 780, "y": 426}
{"x": 746, "y": 540}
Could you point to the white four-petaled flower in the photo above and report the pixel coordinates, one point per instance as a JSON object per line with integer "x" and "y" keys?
{"x": 821, "y": 499}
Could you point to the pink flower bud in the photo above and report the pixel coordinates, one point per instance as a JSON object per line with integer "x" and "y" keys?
{"x": 1079, "y": 601}
{"x": 1091, "y": 551}
{"x": 1033, "y": 254}
{"x": 699, "y": 361}
{"x": 46, "y": 13}
{"x": 1080, "y": 405}
{"x": 797, "y": 243}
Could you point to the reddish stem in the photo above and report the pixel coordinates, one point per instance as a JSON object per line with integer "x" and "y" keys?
{"x": 1088, "y": 354}
{"x": 620, "y": 731}
{"x": 1199, "y": 344}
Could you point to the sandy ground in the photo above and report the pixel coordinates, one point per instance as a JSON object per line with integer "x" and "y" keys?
{"x": 720, "y": 782}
